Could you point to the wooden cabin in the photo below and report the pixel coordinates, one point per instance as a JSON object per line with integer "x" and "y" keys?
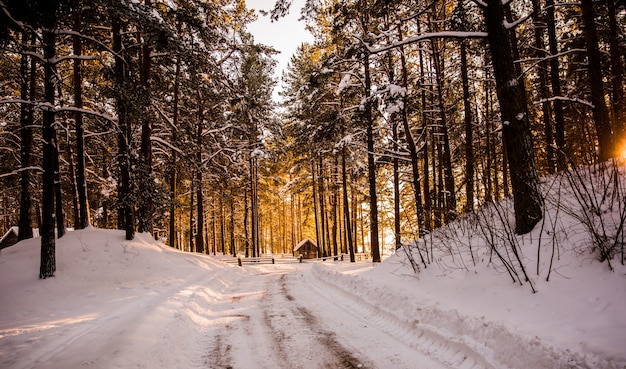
{"x": 9, "y": 238}
{"x": 307, "y": 248}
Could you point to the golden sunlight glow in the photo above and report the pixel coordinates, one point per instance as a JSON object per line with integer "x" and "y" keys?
{"x": 622, "y": 151}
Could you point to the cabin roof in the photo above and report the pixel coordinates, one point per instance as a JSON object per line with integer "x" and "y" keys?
{"x": 303, "y": 243}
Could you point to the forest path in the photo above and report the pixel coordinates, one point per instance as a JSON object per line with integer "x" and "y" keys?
{"x": 286, "y": 317}
{"x": 146, "y": 308}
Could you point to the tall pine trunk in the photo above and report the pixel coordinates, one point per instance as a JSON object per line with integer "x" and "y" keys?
{"x": 469, "y": 133}
{"x": 617, "y": 71}
{"x": 449, "y": 190}
{"x": 555, "y": 82}
{"x": 516, "y": 130}
{"x": 371, "y": 165}
{"x": 58, "y": 193}
{"x": 199, "y": 195}
{"x": 413, "y": 152}
{"x": 396, "y": 188}
{"x": 254, "y": 210}
{"x": 334, "y": 200}
{"x": 27, "y": 86}
{"x": 81, "y": 182}
{"x": 126, "y": 216}
{"x": 539, "y": 25}
{"x": 72, "y": 174}
{"x": 346, "y": 206}
{"x": 233, "y": 247}
{"x": 145, "y": 207}
{"x": 321, "y": 195}
{"x": 48, "y": 253}
{"x": 315, "y": 207}
{"x": 594, "y": 73}
{"x": 173, "y": 158}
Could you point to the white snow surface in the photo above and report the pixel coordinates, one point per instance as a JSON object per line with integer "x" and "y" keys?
{"x": 140, "y": 304}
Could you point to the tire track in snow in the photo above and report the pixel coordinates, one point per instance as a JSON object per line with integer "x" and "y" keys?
{"x": 321, "y": 342}
{"x": 236, "y": 337}
{"x": 263, "y": 326}
{"x": 108, "y": 340}
{"x": 446, "y": 350}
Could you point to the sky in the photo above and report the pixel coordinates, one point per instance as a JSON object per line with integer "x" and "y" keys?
{"x": 285, "y": 35}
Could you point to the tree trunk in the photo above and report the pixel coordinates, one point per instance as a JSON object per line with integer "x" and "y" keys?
{"x": 322, "y": 203}
{"x": 48, "y": 253}
{"x": 146, "y": 204}
{"x": 396, "y": 188}
{"x": 191, "y": 218}
{"x": 58, "y": 193}
{"x": 126, "y": 217}
{"x": 450, "y": 212}
{"x": 516, "y": 130}
{"x": 174, "y": 153}
{"x": 245, "y": 222}
{"x": 555, "y": 81}
{"x": 346, "y": 206}
{"x": 199, "y": 196}
{"x": 594, "y": 72}
{"x": 428, "y": 203}
{"x": 489, "y": 190}
{"x": 72, "y": 175}
{"x": 222, "y": 225}
{"x": 334, "y": 198}
{"x": 233, "y": 248}
{"x": 315, "y": 209}
{"x": 200, "y": 214}
{"x": 546, "y": 114}
{"x": 371, "y": 166}
{"x": 254, "y": 219}
{"x": 25, "y": 229}
{"x": 81, "y": 182}
{"x": 413, "y": 152}
{"x": 617, "y": 71}
{"x": 469, "y": 133}
{"x": 441, "y": 196}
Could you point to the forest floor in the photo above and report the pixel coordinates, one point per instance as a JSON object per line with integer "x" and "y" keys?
{"x": 140, "y": 304}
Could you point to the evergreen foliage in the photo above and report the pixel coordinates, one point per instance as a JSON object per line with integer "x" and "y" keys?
{"x": 158, "y": 116}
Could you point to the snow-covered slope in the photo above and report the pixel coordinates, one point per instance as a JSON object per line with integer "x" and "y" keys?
{"x": 112, "y": 303}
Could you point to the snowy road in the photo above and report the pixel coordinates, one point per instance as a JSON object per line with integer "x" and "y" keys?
{"x": 139, "y": 304}
{"x": 267, "y": 328}
{"x": 286, "y": 317}
{"x": 142, "y": 306}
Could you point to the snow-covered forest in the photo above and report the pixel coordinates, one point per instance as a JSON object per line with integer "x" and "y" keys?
{"x": 451, "y": 139}
{"x": 157, "y": 116}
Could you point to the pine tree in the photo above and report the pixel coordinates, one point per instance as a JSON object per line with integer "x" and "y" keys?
{"x": 514, "y": 112}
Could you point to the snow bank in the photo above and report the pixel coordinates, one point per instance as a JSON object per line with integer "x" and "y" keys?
{"x": 431, "y": 322}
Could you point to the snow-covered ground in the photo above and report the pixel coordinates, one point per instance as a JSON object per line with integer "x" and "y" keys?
{"x": 139, "y": 304}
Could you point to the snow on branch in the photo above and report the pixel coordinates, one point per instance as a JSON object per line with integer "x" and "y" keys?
{"x": 17, "y": 171}
{"x": 538, "y": 61}
{"x": 480, "y": 3}
{"x": 49, "y": 107}
{"x": 87, "y": 112}
{"x": 511, "y": 25}
{"x": 68, "y": 32}
{"x": 166, "y": 143}
{"x": 424, "y": 37}
{"x": 76, "y": 57}
{"x": 567, "y": 99}
{"x": 207, "y": 132}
